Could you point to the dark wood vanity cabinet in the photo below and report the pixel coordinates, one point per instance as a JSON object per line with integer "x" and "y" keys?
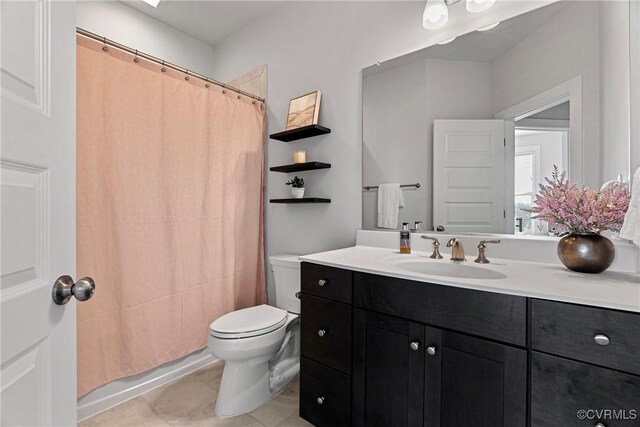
{"x": 473, "y": 382}
{"x": 382, "y": 351}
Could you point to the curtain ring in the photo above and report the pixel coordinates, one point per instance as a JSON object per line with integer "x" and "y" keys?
{"x": 224, "y": 91}
{"x": 136, "y": 59}
{"x": 239, "y": 97}
{"x": 187, "y": 75}
{"x": 104, "y": 42}
{"x": 163, "y": 69}
{"x": 253, "y": 102}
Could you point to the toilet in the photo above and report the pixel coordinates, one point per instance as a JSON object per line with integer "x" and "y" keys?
{"x": 260, "y": 345}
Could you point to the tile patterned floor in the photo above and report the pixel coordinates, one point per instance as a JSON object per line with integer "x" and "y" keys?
{"x": 190, "y": 401}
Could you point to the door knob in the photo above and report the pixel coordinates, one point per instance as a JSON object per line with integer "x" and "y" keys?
{"x": 64, "y": 289}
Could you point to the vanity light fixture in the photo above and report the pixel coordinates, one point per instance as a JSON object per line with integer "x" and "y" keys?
{"x": 447, "y": 41}
{"x": 475, "y": 6}
{"x": 489, "y": 27}
{"x": 435, "y": 15}
{"x": 436, "y": 12}
{"x": 153, "y": 3}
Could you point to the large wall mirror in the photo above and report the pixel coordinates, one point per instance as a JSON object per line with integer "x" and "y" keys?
{"x": 481, "y": 120}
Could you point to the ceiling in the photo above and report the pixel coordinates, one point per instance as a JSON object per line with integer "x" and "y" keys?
{"x": 208, "y": 21}
{"x": 481, "y": 46}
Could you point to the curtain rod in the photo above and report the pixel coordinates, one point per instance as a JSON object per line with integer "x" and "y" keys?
{"x": 151, "y": 58}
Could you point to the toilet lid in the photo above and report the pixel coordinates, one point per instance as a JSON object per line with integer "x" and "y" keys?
{"x": 248, "y": 322}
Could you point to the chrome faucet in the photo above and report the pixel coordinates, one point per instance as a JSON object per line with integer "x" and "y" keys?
{"x": 481, "y": 247}
{"x": 436, "y": 247}
{"x": 457, "y": 250}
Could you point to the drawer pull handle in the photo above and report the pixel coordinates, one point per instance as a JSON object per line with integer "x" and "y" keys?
{"x": 320, "y": 400}
{"x": 321, "y": 332}
{"x": 602, "y": 339}
{"x": 431, "y": 350}
{"x": 415, "y": 345}
{"x": 322, "y": 282}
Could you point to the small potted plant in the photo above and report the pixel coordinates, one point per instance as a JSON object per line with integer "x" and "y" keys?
{"x": 584, "y": 213}
{"x": 297, "y": 187}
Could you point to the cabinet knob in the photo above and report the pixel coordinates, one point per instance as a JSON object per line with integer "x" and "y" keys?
{"x": 600, "y": 425}
{"x": 321, "y": 332}
{"x": 431, "y": 350}
{"x": 602, "y": 339}
{"x": 415, "y": 345}
{"x": 322, "y": 282}
{"x": 320, "y": 400}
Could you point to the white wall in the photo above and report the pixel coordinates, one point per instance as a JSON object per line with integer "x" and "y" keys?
{"x": 127, "y": 26}
{"x": 399, "y": 107}
{"x": 614, "y": 90}
{"x": 550, "y": 56}
{"x": 325, "y": 45}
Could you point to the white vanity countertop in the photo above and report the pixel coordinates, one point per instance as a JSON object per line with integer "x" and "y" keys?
{"x": 546, "y": 281}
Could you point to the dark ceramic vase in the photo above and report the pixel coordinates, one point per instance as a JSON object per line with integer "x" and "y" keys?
{"x": 586, "y": 253}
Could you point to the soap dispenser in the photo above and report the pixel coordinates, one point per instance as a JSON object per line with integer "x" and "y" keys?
{"x": 405, "y": 239}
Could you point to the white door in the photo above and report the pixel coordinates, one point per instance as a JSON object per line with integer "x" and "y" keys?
{"x": 471, "y": 176}
{"x": 37, "y": 161}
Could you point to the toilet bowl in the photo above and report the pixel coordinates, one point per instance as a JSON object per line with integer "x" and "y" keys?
{"x": 259, "y": 345}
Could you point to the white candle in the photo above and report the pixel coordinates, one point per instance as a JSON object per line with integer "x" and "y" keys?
{"x": 299, "y": 156}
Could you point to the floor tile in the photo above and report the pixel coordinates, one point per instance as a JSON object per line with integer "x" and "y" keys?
{"x": 134, "y": 412}
{"x": 278, "y": 409}
{"x": 294, "y": 421}
{"x": 185, "y": 400}
{"x": 210, "y": 374}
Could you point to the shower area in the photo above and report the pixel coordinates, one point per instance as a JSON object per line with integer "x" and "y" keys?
{"x": 169, "y": 208}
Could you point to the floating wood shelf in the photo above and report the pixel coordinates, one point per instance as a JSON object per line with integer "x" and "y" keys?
{"x": 297, "y": 167}
{"x": 300, "y": 133}
{"x": 303, "y": 200}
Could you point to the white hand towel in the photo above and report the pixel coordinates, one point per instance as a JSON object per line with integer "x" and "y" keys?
{"x": 631, "y": 226}
{"x": 390, "y": 199}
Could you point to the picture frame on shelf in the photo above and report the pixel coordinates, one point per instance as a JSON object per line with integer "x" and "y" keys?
{"x": 304, "y": 110}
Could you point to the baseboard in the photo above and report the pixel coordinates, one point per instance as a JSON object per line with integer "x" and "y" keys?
{"x": 119, "y": 391}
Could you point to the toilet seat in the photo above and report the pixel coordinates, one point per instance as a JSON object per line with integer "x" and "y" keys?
{"x": 248, "y": 322}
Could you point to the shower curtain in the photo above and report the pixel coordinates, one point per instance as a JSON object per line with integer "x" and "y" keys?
{"x": 169, "y": 211}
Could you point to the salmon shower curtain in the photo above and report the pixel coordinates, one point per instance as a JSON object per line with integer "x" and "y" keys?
{"x": 169, "y": 211}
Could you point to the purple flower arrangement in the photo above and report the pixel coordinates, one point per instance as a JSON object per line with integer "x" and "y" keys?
{"x": 581, "y": 210}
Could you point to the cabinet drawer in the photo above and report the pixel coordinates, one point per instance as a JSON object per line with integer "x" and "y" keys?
{"x": 497, "y": 316}
{"x": 560, "y": 388}
{"x": 326, "y": 282}
{"x": 570, "y": 330}
{"x": 326, "y": 332}
{"x": 325, "y": 395}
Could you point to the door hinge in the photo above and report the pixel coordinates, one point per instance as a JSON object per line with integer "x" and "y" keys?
{"x": 505, "y": 141}
{"x": 504, "y": 214}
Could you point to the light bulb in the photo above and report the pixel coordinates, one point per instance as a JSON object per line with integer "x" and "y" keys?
{"x": 153, "y": 3}
{"x": 489, "y": 27}
{"x": 447, "y": 41}
{"x": 435, "y": 15}
{"x": 479, "y": 5}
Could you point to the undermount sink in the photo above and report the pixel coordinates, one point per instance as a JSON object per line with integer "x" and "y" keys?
{"x": 450, "y": 270}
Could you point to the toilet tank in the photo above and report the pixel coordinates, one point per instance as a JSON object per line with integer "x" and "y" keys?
{"x": 286, "y": 271}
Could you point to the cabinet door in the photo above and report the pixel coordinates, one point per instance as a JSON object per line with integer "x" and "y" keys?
{"x": 388, "y": 370}
{"x": 575, "y": 394}
{"x": 473, "y": 382}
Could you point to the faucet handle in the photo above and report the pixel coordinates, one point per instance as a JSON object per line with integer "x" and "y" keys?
{"x": 482, "y": 259}
{"x": 436, "y": 247}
